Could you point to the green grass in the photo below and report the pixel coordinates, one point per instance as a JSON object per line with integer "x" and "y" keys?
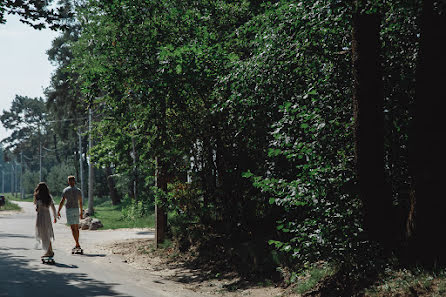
{"x": 312, "y": 277}
{"x": 111, "y": 216}
{"x": 10, "y": 206}
{"x": 409, "y": 283}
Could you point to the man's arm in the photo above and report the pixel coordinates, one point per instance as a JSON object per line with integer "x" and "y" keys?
{"x": 81, "y": 215}
{"x": 62, "y": 201}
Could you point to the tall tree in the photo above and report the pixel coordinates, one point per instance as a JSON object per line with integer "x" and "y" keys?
{"x": 27, "y": 119}
{"x": 428, "y": 160}
{"x": 368, "y": 99}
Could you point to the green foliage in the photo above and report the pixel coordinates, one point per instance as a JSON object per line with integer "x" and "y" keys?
{"x": 135, "y": 209}
{"x": 57, "y": 178}
{"x": 311, "y": 278}
{"x": 31, "y": 180}
{"x": 10, "y": 206}
{"x": 36, "y": 13}
{"x": 249, "y": 101}
{"x": 113, "y": 217}
{"x": 27, "y": 119}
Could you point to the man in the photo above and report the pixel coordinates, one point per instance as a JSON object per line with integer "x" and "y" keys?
{"x": 73, "y": 196}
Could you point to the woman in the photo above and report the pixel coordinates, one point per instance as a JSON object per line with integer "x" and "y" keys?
{"x": 44, "y": 228}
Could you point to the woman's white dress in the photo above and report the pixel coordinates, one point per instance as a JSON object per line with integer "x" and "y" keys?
{"x": 44, "y": 226}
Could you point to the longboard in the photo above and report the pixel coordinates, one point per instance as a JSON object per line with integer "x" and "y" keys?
{"x": 77, "y": 251}
{"x": 48, "y": 260}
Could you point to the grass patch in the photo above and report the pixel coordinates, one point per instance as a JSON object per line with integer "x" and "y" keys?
{"x": 30, "y": 198}
{"x": 10, "y": 206}
{"x": 312, "y": 277}
{"x": 112, "y": 218}
{"x": 409, "y": 283}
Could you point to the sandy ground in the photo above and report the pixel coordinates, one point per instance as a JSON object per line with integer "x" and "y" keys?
{"x": 137, "y": 253}
{"x": 121, "y": 254}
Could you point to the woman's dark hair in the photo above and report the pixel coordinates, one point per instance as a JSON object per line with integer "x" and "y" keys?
{"x": 43, "y": 194}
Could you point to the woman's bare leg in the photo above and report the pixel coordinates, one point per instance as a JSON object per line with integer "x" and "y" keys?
{"x": 49, "y": 252}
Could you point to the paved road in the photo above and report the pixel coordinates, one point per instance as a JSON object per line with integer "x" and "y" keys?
{"x": 96, "y": 273}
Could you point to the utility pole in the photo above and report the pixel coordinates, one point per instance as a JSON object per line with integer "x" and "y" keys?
{"x": 21, "y": 176}
{"x": 81, "y": 165}
{"x": 16, "y": 180}
{"x": 40, "y": 161}
{"x": 3, "y": 180}
{"x": 12, "y": 178}
{"x": 90, "y": 166}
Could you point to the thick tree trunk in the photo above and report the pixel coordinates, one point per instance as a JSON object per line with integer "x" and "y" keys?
{"x": 428, "y": 161}
{"x": 368, "y": 102}
{"x": 112, "y": 186}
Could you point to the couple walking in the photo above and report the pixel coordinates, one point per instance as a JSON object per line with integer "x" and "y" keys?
{"x": 44, "y": 201}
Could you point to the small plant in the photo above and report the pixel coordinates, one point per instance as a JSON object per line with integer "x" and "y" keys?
{"x": 312, "y": 277}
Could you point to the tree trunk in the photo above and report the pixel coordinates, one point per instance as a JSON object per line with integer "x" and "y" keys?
{"x": 55, "y": 147}
{"x": 160, "y": 212}
{"x": 427, "y": 160}
{"x": 368, "y": 100}
{"x": 112, "y": 186}
{"x": 135, "y": 169}
{"x": 90, "y": 167}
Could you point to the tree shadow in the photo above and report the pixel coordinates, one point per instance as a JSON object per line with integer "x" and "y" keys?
{"x": 17, "y": 278}
{"x": 145, "y": 233}
{"x": 14, "y": 249}
{"x": 15, "y": 235}
{"x": 94, "y": 255}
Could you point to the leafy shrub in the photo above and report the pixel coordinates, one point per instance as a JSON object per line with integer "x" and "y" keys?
{"x": 139, "y": 208}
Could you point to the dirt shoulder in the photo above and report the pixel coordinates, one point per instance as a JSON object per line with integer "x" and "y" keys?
{"x": 9, "y": 212}
{"x": 141, "y": 255}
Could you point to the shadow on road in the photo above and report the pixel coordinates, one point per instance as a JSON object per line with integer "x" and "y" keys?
{"x": 64, "y": 265}
{"x": 19, "y": 279}
{"x": 13, "y": 249}
{"x": 145, "y": 233}
{"x": 15, "y": 235}
{"x": 94, "y": 255}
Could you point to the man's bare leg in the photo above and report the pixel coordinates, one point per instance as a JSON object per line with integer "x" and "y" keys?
{"x": 75, "y": 231}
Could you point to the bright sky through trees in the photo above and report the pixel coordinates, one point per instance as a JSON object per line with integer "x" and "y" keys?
{"x": 24, "y": 66}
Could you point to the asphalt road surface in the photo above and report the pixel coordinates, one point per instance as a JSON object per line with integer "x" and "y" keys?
{"x": 92, "y": 274}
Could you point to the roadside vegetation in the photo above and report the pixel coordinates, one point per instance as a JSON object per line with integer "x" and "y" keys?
{"x": 9, "y": 205}
{"x": 271, "y": 136}
{"x": 121, "y": 216}
{"x": 124, "y": 215}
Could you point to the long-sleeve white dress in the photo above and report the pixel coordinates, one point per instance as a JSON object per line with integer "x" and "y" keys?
{"x": 44, "y": 227}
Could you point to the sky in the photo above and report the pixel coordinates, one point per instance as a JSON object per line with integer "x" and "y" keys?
{"x": 24, "y": 66}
